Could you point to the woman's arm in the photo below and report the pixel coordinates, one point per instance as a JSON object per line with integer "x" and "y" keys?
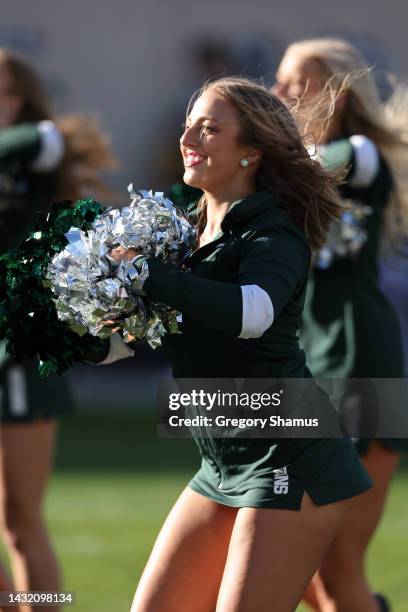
{"x": 270, "y": 270}
{"x": 358, "y": 153}
{"x": 40, "y": 146}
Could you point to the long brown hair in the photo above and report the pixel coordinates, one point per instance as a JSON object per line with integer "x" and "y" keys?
{"x": 346, "y": 72}
{"x": 87, "y": 147}
{"x": 307, "y": 190}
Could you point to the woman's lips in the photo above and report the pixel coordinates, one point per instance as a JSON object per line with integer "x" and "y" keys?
{"x": 193, "y": 160}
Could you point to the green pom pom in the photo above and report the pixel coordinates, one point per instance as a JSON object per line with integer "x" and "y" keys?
{"x": 28, "y": 319}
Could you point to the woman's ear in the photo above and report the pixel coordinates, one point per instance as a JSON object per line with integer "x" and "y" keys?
{"x": 253, "y": 156}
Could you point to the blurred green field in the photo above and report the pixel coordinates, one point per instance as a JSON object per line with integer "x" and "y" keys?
{"x": 113, "y": 486}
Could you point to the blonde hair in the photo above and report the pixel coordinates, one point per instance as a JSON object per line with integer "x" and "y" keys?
{"x": 307, "y": 191}
{"x": 87, "y": 147}
{"x": 345, "y": 71}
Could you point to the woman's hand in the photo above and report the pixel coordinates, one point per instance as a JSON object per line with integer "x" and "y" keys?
{"x": 110, "y": 323}
{"x": 119, "y": 254}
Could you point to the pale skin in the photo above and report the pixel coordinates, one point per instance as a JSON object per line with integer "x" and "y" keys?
{"x": 26, "y": 458}
{"x": 26, "y": 455}
{"x": 209, "y": 556}
{"x": 341, "y": 584}
{"x": 301, "y": 79}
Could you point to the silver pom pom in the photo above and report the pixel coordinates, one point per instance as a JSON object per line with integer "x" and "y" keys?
{"x": 346, "y": 237}
{"x": 92, "y": 288}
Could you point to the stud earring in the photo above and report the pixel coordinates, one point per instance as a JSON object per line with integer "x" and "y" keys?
{"x": 244, "y": 163}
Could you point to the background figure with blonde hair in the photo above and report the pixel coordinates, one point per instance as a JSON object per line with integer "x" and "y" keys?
{"x": 349, "y": 328}
{"x": 42, "y": 159}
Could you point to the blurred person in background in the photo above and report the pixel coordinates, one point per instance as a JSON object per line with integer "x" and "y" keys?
{"x": 42, "y": 159}
{"x": 349, "y": 329}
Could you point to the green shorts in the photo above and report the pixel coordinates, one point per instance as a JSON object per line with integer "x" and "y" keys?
{"x": 25, "y": 397}
{"x": 261, "y": 473}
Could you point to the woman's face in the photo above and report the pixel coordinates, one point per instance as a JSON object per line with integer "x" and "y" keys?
{"x": 210, "y": 145}
{"x": 10, "y": 103}
{"x": 298, "y": 77}
{"x": 305, "y": 79}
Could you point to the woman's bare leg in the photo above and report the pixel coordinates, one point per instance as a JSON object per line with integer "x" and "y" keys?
{"x": 6, "y": 584}
{"x": 26, "y": 457}
{"x": 274, "y": 553}
{"x": 315, "y": 595}
{"x": 341, "y": 585}
{"x": 185, "y": 568}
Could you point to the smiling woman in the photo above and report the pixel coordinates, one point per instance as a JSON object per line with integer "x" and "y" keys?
{"x": 237, "y": 538}
{"x": 211, "y": 151}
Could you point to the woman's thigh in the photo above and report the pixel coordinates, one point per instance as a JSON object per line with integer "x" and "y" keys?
{"x": 185, "y": 568}
{"x": 381, "y": 463}
{"x": 274, "y": 553}
{"x": 26, "y": 459}
{"x": 364, "y": 512}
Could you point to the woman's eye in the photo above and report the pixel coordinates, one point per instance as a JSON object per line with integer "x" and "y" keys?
{"x": 206, "y": 129}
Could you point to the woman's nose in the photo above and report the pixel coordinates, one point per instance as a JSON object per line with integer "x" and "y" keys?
{"x": 189, "y": 138}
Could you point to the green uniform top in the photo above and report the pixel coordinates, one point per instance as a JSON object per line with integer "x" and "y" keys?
{"x": 258, "y": 245}
{"x": 22, "y": 190}
{"x": 28, "y": 182}
{"x": 349, "y": 328}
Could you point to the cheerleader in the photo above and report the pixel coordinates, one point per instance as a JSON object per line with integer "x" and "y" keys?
{"x": 42, "y": 159}
{"x": 234, "y": 539}
{"x": 350, "y": 330}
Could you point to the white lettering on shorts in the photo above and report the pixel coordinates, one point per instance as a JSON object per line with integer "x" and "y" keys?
{"x": 17, "y": 391}
{"x": 281, "y": 481}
